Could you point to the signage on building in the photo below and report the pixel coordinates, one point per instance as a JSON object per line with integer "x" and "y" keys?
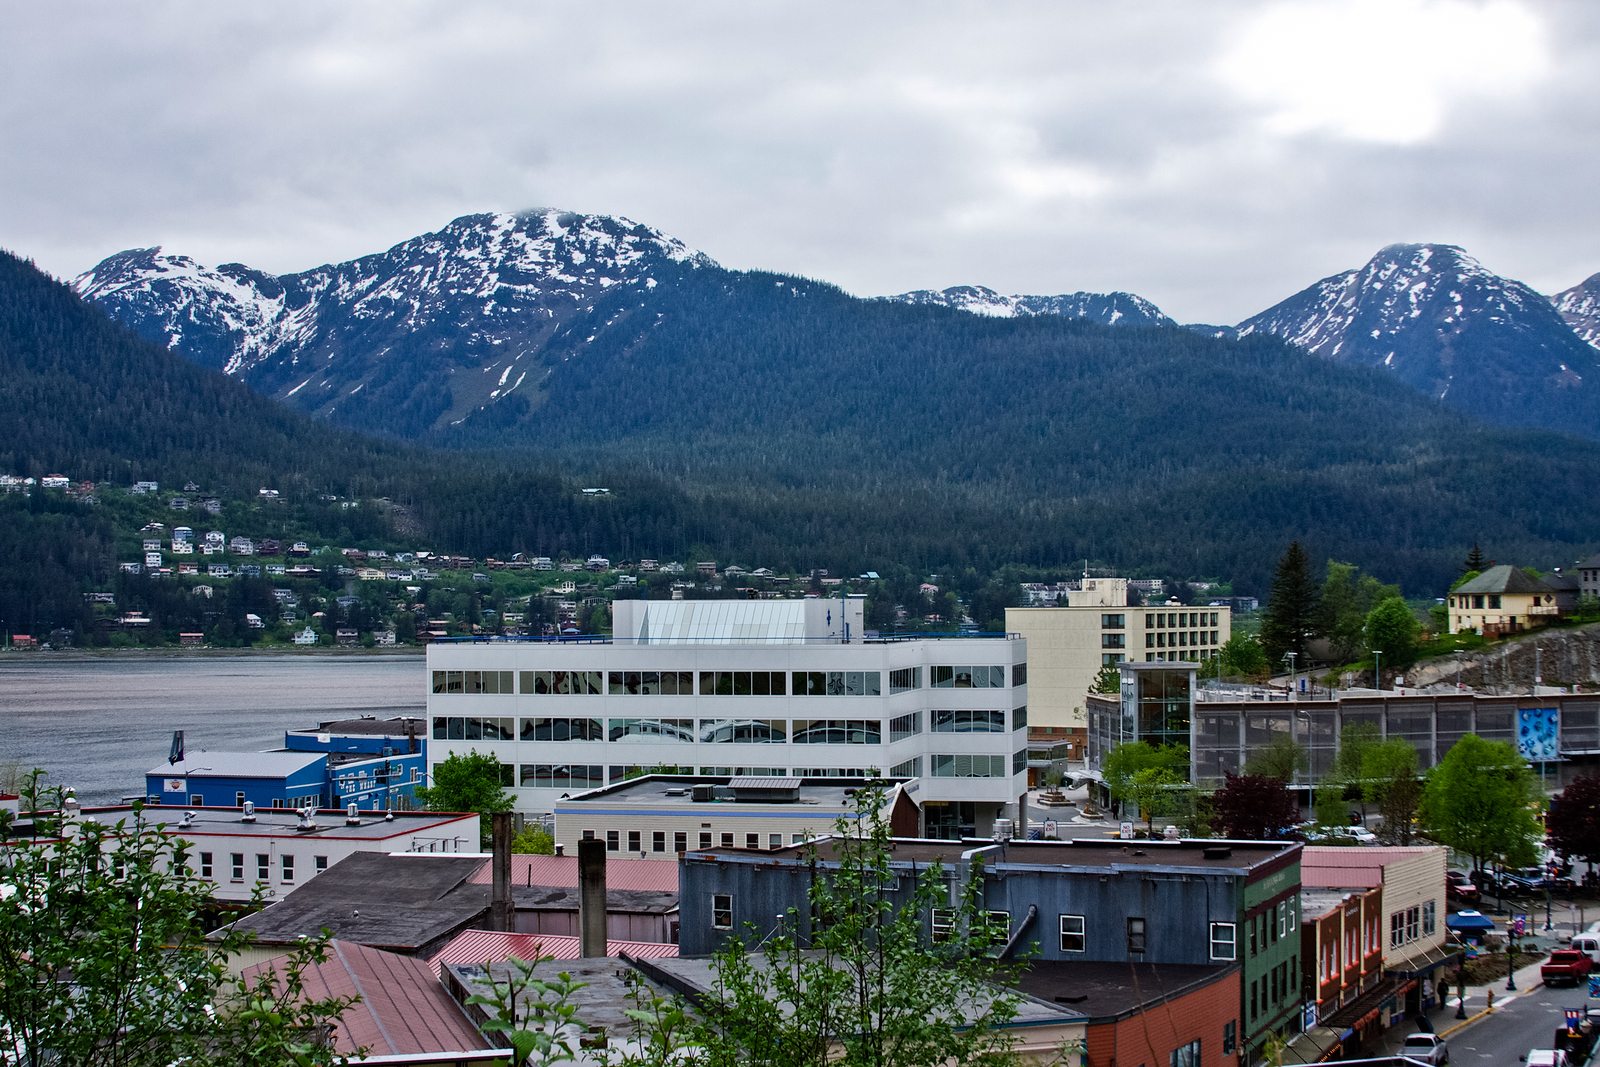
{"x": 173, "y": 785}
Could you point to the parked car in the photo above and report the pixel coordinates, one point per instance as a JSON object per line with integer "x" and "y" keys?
{"x": 1589, "y": 945}
{"x": 1458, "y": 887}
{"x": 1426, "y": 1048}
{"x": 1359, "y": 834}
{"x": 1566, "y": 966}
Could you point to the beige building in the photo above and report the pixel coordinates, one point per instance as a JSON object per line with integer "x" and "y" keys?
{"x": 1095, "y": 628}
{"x": 1502, "y": 600}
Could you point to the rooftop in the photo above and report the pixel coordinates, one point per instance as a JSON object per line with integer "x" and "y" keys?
{"x": 405, "y": 902}
{"x": 284, "y": 822}
{"x": 401, "y": 1008}
{"x": 1324, "y": 866}
{"x": 370, "y": 725}
{"x": 204, "y": 764}
{"x": 1109, "y": 855}
{"x": 493, "y": 946}
{"x": 1106, "y": 991}
{"x": 1502, "y": 579}
{"x": 561, "y": 872}
{"x": 676, "y": 791}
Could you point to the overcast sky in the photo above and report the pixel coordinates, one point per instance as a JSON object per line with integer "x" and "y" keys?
{"x": 1213, "y": 157}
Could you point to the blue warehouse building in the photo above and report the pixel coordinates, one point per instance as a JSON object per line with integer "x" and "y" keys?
{"x": 373, "y": 763}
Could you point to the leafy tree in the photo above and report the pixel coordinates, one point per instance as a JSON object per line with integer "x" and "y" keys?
{"x": 1290, "y": 618}
{"x": 468, "y": 781}
{"x": 1151, "y": 778}
{"x": 534, "y": 840}
{"x": 1354, "y": 741}
{"x": 1282, "y": 758}
{"x": 105, "y": 958}
{"x": 1253, "y": 807}
{"x": 868, "y": 986}
{"x": 1241, "y": 656}
{"x": 1347, "y": 598}
{"x": 1480, "y": 800}
{"x": 1330, "y": 805}
{"x": 1389, "y": 780}
{"x": 1392, "y": 629}
{"x": 1108, "y": 682}
{"x": 536, "y": 1015}
{"x": 1574, "y": 820}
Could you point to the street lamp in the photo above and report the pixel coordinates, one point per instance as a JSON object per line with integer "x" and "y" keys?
{"x": 1459, "y": 654}
{"x": 1511, "y": 959}
{"x": 1293, "y": 678}
{"x": 1377, "y": 670}
{"x": 1461, "y": 982}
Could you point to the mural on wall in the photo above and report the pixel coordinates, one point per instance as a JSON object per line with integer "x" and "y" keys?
{"x": 1537, "y": 730}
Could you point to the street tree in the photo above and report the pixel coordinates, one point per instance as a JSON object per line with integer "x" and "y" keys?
{"x": 1290, "y": 618}
{"x": 1151, "y": 779}
{"x": 1108, "y": 682}
{"x": 1392, "y": 629}
{"x": 1241, "y": 656}
{"x": 1389, "y": 779}
{"x": 1281, "y": 758}
{"x": 1481, "y": 800}
{"x": 1574, "y": 820}
{"x": 1253, "y": 807}
{"x": 105, "y": 959}
{"x": 469, "y": 781}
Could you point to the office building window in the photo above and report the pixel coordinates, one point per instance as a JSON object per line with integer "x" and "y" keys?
{"x": 774, "y": 840}
{"x": 1224, "y": 941}
{"x": 905, "y": 679}
{"x": 705, "y": 839}
{"x": 1072, "y": 936}
{"x": 658, "y": 841}
{"x": 722, "y": 911}
{"x": 968, "y": 722}
{"x": 205, "y": 865}
{"x": 286, "y": 866}
{"x": 1113, "y": 622}
{"x": 237, "y": 863}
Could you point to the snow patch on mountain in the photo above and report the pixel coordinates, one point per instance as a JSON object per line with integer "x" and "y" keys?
{"x": 1580, "y": 307}
{"x": 1108, "y": 309}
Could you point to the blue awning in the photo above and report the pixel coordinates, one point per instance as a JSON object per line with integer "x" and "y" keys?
{"x": 1469, "y": 921}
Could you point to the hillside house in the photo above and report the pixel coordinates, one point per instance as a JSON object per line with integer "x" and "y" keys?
{"x": 55, "y": 481}
{"x": 146, "y": 487}
{"x": 178, "y": 503}
{"x": 182, "y": 548}
{"x": 242, "y": 546}
{"x": 308, "y": 636}
{"x": 1502, "y": 600}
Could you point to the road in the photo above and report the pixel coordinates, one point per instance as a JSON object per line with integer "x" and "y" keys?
{"x": 1520, "y": 1021}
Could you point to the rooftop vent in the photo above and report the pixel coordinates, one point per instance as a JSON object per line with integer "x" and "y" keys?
{"x": 306, "y": 822}
{"x": 249, "y": 814}
{"x": 1217, "y": 852}
{"x": 187, "y": 820}
{"x": 704, "y": 793}
{"x": 352, "y": 814}
{"x": 677, "y": 791}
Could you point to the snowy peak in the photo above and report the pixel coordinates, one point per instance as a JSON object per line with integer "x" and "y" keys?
{"x": 1444, "y": 324}
{"x": 1580, "y": 307}
{"x": 1107, "y": 309}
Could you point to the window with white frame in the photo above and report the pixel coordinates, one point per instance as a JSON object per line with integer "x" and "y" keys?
{"x": 941, "y": 923}
{"x": 1072, "y": 935}
{"x": 722, "y": 911}
{"x": 1224, "y": 941}
{"x": 1186, "y": 1055}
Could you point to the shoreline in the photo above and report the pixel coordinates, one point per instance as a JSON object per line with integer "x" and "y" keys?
{"x": 30, "y": 655}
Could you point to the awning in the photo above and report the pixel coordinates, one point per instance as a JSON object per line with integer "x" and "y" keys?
{"x": 1425, "y": 962}
{"x": 1362, "y": 1010}
{"x": 1469, "y": 921}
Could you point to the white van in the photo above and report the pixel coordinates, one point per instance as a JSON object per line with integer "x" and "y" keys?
{"x": 1588, "y": 944}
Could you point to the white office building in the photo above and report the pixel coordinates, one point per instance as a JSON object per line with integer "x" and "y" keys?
{"x": 785, "y": 688}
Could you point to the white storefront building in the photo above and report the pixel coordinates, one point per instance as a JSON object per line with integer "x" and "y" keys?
{"x": 743, "y": 687}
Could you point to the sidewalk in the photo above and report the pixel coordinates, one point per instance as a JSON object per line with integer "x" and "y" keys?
{"x": 1311, "y": 1047}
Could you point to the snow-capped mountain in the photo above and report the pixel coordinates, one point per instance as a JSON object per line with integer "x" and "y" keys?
{"x": 1440, "y": 322}
{"x": 391, "y": 332}
{"x": 1107, "y": 309}
{"x": 1580, "y": 306}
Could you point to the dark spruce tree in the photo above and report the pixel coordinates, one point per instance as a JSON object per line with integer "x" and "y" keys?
{"x": 1474, "y": 561}
{"x": 1289, "y": 622}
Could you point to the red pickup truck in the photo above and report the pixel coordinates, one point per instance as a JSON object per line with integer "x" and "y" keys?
{"x": 1565, "y": 965}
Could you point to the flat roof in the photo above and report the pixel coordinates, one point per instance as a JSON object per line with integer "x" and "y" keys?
{"x": 1319, "y": 901}
{"x": 1107, "y": 990}
{"x": 283, "y": 822}
{"x": 206, "y": 764}
{"x": 367, "y": 725}
{"x": 676, "y": 790}
{"x": 1241, "y": 855}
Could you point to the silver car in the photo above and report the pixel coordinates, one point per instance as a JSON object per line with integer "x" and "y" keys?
{"x": 1426, "y": 1048}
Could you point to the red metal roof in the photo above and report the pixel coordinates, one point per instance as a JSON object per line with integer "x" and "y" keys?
{"x": 403, "y": 1010}
{"x": 1348, "y": 867}
{"x": 561, "y": 872}
{"x": 493, "y": 946}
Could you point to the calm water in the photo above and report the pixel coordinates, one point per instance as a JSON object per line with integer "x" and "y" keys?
{"x": 99, "y": 724}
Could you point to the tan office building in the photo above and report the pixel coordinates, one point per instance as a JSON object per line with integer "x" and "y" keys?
{"x": 1068, "y": 645}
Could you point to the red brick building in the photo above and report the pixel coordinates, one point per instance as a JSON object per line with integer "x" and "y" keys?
{"x": 1147, "y": 1013}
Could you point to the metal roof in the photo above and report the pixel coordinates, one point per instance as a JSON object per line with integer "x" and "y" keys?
{"x": 479, "y": 947}
{"x": 764, "y": 783}
{"x": 729, "y": 622}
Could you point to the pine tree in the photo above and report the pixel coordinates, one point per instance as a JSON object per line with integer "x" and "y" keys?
{"x": 1475, "y": 561}
{"x": 1289, "y": 620}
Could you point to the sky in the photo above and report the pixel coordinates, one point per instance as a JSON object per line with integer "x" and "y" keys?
{"x": 1212, "y": 157}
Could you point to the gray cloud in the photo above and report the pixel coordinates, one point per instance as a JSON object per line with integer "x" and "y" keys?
{"x": 1213, "y": 158}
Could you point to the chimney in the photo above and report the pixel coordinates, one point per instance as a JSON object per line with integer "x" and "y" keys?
{"x": 592, "y": 897}
{"x": 501, "y": 909}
